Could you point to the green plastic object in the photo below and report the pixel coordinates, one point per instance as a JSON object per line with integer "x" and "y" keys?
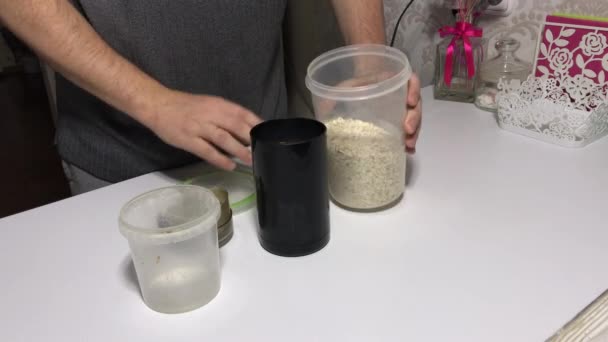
{"x": 580, "y": 16}
{"x": 239, "y": 184}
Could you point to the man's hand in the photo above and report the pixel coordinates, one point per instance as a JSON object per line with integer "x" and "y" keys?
{"x": 413, "y": 118}
{"x": 207, "y": 126}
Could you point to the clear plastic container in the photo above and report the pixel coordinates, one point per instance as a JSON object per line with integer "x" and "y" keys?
{"x": 359, "y": 93}
{"x": 174, "y": 245}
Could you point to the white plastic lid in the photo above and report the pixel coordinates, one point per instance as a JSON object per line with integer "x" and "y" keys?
{"x": 168, "y": 215}
{"x": 331, "y": 75}
{"x": 239, "y": 184}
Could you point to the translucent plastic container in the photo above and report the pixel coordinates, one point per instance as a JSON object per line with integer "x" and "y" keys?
{"x": 172, "y": 233}
{"x": 359, "y": 92}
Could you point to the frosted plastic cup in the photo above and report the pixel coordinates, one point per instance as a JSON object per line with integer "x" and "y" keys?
{"x": 359, "y": 93}
{"x": 172, "y": 233}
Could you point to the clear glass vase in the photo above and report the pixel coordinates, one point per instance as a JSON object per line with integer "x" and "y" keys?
{"x": 462, "y": 87}
{"x": 506, "y": 67}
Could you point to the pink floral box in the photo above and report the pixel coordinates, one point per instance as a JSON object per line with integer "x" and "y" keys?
{"x": 573, "y": 47}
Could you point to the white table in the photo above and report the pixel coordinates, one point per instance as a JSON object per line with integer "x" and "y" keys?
{"x": 500, "y": 238}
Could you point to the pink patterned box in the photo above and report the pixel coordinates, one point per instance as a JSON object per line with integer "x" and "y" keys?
{"x": 573, "y": 47}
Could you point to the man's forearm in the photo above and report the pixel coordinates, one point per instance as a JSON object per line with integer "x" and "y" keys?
{"x": 60, "y": 35}
{"x": 361, "y": 21}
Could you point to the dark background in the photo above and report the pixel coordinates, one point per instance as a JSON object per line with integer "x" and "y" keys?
{"x": 30, "y": 172}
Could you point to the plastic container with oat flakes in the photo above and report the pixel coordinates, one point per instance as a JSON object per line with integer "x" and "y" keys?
{"x": 359, "y": 92}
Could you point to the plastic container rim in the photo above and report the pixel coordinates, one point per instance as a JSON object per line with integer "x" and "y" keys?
{"x": 321, "y": 130}
{"x": 363, "y": 92}
{"x": 171, "y": 234}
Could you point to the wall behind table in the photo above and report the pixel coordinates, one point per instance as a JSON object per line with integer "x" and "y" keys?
{"x": 417, "y": 34}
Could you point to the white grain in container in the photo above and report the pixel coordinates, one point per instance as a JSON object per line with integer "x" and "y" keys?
{"x": 367, "y": 163}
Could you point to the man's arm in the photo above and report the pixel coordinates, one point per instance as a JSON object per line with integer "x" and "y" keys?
{"x": 361, "y": 21}
{"x": 60, "y": 35}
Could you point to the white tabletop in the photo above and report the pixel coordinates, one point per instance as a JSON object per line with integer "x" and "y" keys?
{"x": 499, "y": 238}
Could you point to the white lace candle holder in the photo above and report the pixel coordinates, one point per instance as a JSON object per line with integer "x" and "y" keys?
{"x": 566, "y": 111}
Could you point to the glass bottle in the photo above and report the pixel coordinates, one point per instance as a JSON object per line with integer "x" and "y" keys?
{"x": 462, "y": 88}
{"x": 505, "y": 67}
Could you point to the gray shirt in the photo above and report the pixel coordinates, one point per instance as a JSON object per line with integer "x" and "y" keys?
{"x": 227, "y": 48}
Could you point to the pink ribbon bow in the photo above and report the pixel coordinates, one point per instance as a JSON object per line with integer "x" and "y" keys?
{"x": 464, "y": 31}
